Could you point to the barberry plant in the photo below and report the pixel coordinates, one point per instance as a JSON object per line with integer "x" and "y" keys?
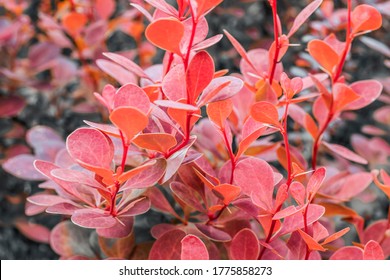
{"x": 214, "y": 152}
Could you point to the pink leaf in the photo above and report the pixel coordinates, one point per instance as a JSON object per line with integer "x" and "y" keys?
{"x": 93, "y": 218}
{"x": 130, "y": 95}
{"x": 120, "y": 74}
{"x": 175, "y": 160}
{"x": 173, "y": 86}
{"x": 352, "y": 185}
{"x": 199, "y": 74}
{"x": 136, "y": 207}
{"x": 245, "y": 245}
{"x": 298, "y": 192}
{"x": 176, "y": 105}
{"x": 147, "y": 177}
{"x": 192, "y": 248}
{"x": 373, "y": 251}
{"x": 91, "y": 146}
{"x": 68, "y": 240}
{"x": 303, "y": 16}
{"x": 62, "y": 209}
{"x": 172, "y": 240}
{"x": 315, "y": 182}
{"x": 344, "y": 152}
{"x": 46, "y": 199}
{"x": 208, "y": 42}
{"x": 35, "y": 232}
{"x": 240, "y": 49}
{"x": 256, "y": 179}
{"x": 348, "y": 253}
{"x": 220, "y": 88}
{"x": 368, "y": 90}
{"x": 119, "y": 230}
{"x": 104, "y": 8}
{"x": 75, "y": 176}
{"x": 22, "y": 166}
{"x": 160, "y": 229}
{"x": 127, "y": 64}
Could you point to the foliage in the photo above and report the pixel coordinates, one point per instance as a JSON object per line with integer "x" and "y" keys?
{"x": 234, "y": 184}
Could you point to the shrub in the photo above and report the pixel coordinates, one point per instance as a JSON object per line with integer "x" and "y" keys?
{"x": 231, "y": 180}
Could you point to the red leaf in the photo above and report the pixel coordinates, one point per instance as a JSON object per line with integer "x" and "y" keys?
{"x": 10, "y": 106}
{"x": 192, "y": 248}
{"x": 324, "y": 54}
{"x": 172, "y": 240}
{"x": 129, "y": 120}
{"x": 218, "y": 112}
{"x": 303, "y": 16}
{"x": 348, "y": 253}
{"x": 368, "y": 90}
{"x": 245, "y": 246}
{"x": 187, "y": 195}
{"x": 256, "y": 179}
{"x": 92, "y": 147}
{"x": 365, "y": 18}
{"x": 199, "y": 74}
{"x": 166, "y": 33}
{"x": 213, "y": 233}
{"x": 344, "y": 152}
{"x": 335, "y": 236}
{"x": 104, "y": 8}
{"x": 173, "y": 86}
{"x": 160, "y": 142}
{"x": 93, "y": 218}
{"x": 310, "y": 242}
{"x": 160, "y": 229}
{"x": 131, "y": 95}
{"x": 265, "y": 112}
{"x": 160, "y": 203}
{"x": 35, "y": 232}
{"x": 373, "y": 251}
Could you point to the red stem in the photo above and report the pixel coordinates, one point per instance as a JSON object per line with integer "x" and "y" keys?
{"x": 335, "y": 77}
{"x": 284, "y": 132}
{"x": 277, "y": 46}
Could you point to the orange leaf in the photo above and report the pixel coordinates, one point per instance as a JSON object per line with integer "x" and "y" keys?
{"x": 324, "y": 54}
{"x": 365, "y": 18}
{"x": 219, "y": 111}
{"x": 335, "y": 236}
{"x": 166, "y": 33}
{"x": 343, "y": 96}
{"x": 310, "y": 242}
{"x": 227, "y": 192}
{"x": 74, "y": 22}
{"x": 160, "y": 142}
{"x": 386, "y": 178}
{"x": 129, "y": 120}
{"x": 265, "y": 112}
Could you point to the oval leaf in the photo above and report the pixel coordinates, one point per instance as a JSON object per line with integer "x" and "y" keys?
{"x": 192, "y": 248}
